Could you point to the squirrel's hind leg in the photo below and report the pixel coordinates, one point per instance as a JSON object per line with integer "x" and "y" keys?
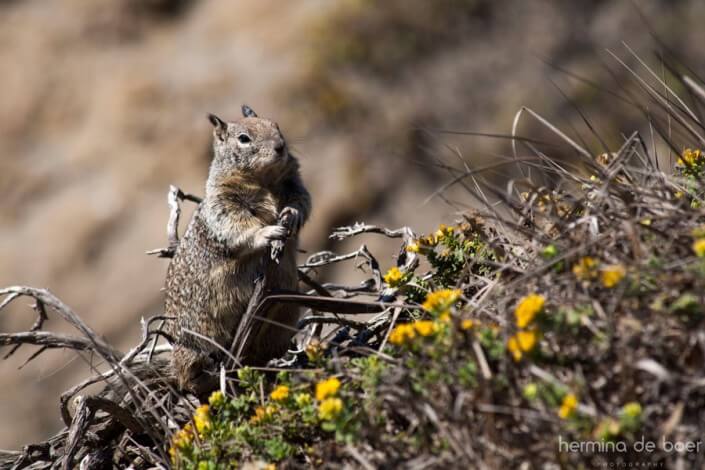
{"x": 195, "y": 371}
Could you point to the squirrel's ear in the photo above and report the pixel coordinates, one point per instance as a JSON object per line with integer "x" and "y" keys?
{"x": 220, "y": 126}
{"x": 248, "y": 112}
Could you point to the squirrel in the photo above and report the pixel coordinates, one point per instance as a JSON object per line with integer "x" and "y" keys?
{"x": 254, "y": 199}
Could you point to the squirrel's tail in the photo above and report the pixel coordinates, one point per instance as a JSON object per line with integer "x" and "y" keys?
{"x": 136, "y": 381}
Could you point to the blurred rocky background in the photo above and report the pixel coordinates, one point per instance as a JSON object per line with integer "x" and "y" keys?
{"x": 103, "y": 105}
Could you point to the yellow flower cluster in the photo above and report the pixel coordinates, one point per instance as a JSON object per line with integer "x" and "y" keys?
{"x": 330, "y": 408}
{"x": 432, "y": 240}
{"x": 408, "y": 331}
{"x": 181, "y": 439}
{"x": 425, "y": 327}
{"x": 280, "y": 393}
{"x": 413, "y": 247}
{"x": 216, "y": 399}
{"x": 327, "y": 388}
{"x": 443, "y": 232}
{"x": 440, "y": 301}
{"x": 202, "y": 418}
{"x": 262, "y": 413}
{"x": 522, "y": 342}
{"x": 699, "y": 247}
{"x": 612, "y": 275}
{"x": 525, "y": 312}
{"x": 330, "y": 405}
{"x": 527, "y": 309}
{"x": 586, "y": 268}
{"x": 570, "y": 403}
{"x": 402, "y": 333}
{"x": 467, "y": 324}
{"x": 394, "y": 277}
{"x": 202, "y": 423}
{"x": 691, "y": 157}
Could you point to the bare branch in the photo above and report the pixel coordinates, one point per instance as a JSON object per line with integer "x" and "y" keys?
{"x": 47, "y": 298}
{"x": 46, "y": 339}
{"x": 304, "y": 322}
{"x": 341, "y": 233}
{"x": 38, "y": 323}
{"x": 325, "y": 258}
{"x": 172, "y": 227}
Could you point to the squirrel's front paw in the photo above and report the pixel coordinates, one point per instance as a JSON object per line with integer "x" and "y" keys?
{"x": 291, "y": 218}
{"x": 269, "y": 233}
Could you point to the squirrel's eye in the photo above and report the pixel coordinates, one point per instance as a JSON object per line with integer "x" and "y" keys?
{"x": 244, "y": 139}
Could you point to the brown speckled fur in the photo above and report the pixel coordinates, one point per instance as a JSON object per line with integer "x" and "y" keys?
{"x": 226, "y": 247}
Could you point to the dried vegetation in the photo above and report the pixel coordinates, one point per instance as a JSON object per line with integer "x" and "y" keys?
{"x": 570, "y": 306}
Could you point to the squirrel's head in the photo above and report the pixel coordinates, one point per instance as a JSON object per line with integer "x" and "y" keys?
{"x": 251, "y": 145}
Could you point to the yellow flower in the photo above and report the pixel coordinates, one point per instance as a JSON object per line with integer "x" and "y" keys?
{"x": 699, "y": 247}
{"x": 441, "y": 300}
{"x": 259, "y": 415}
{"x": 612, "y": 275}
{"x": 527, "y": 340}
{"x": 327, "y": 388}
{"x": 329, "y": 408}
{"x": 402, "y": 333}
{"x": 429, "y": 240}
{"x": 530, "y": 391}
{"x": 184, "y": 436}
{"x": 513, "y": 347}
{"x": 270, "y": 466}
{"x": 690, "y": 157}
{"x": 424, "y": 327}
{"x": 523, "y": 341}
{"x": 527, "y": 308}
{"x": 181, "y": 439}
{"x": 302, "y": 399}
{"x": 262, "y": 413}
{"x": 202, "y": 418}
{"x": 280, "y": 393}
{"x": 394, "y": 277}
{"x": 570, "y": 403}
{"x": 442, "y": 232}
{"x": 413, "y": 247}
{"x": 314, "y": 351}
{"x": 584, "y": 269}
{"x": 632, "y": 409}
{"x": 216, "y": 399}
{"x": 467, "y": 324}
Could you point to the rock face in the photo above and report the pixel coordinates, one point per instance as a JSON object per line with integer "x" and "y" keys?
{"x": 103, "y": 106}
